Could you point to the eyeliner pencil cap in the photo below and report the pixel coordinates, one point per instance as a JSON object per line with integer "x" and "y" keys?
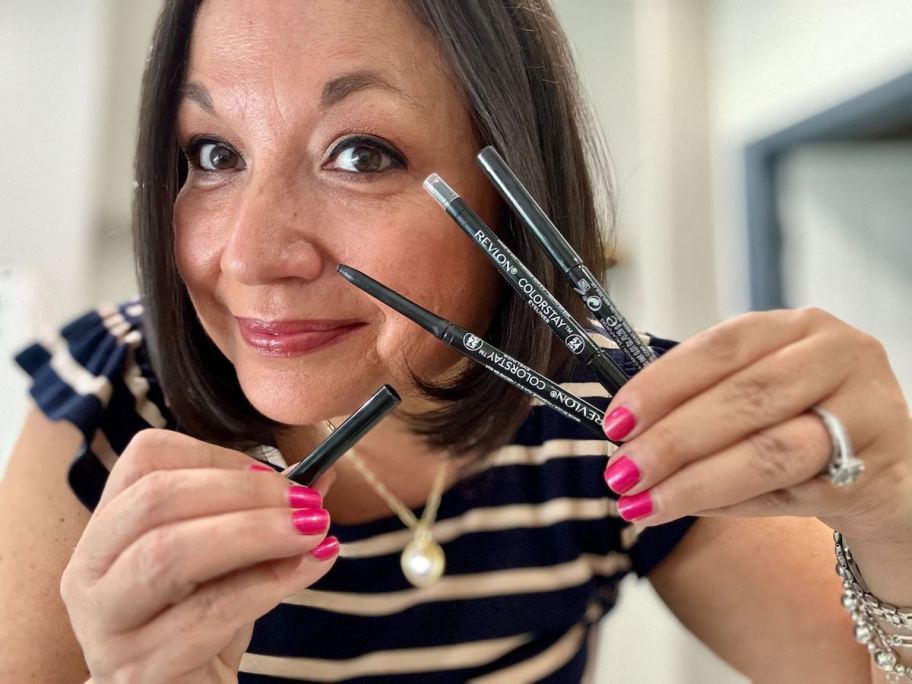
{"x": 437, "y": 188}
{"x": 345, "y": 436}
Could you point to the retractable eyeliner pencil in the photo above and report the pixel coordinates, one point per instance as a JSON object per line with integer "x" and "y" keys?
{"x": 586, "y": 285}
{"x": 527, "y": 286}
{"x": 473, "y": 347}
{"x": 345, "y": 436}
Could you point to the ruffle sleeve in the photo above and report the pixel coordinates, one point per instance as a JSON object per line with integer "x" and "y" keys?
{"x": 95, "y": 374}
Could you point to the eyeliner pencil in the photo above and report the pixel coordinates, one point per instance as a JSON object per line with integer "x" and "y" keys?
{"x": 586, "y": 285}
{"x": 536, "y": 295}
{"x": 345, "y": 436}
{"x": 473, "y": 347}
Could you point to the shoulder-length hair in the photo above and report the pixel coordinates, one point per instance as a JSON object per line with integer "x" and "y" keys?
{"x": 513, "y": 64}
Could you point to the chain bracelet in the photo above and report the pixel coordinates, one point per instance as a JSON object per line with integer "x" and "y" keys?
{"x": 872, "y": 617}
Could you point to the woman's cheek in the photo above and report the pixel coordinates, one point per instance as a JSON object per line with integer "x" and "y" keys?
{"x": 198, "y": 244}
{"x": 403, "y": 348}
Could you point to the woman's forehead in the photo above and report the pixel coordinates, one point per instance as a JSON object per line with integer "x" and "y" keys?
{"x": 309, "y": 44}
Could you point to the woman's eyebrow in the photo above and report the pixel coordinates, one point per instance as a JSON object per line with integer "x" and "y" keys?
{"x": 198, "y": 93}
{"x": 334, "y": 90}
{"x": 340, "y": 87}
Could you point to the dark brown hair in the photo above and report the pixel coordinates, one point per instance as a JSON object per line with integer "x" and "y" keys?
{"x": 512, "y": 62}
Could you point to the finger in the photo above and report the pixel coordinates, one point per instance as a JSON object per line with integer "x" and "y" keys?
{"x": 209, "y": 619}
{"x": 702, "y": 361}
{"x": 168, "y": 563}
{"x": 780, "y": 386}
{"x": 772, "y": 460}
{"x": 152, "y": 450}
{"x": 169, "y": 496}
{"x": 818, "y": 496}
{"x": 803, "y": 500}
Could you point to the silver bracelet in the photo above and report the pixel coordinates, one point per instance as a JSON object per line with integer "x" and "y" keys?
{"x": 881, "y": 627}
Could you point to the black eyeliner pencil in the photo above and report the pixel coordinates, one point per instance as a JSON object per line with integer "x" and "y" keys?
{"x": 586, "y": 285}
{"x": 527, "y": 286}
{"x": 345, "y": 436}
{"x": 470, "y": 345}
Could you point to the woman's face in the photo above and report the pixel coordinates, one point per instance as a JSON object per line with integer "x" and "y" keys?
{"x": 310, "y": 127}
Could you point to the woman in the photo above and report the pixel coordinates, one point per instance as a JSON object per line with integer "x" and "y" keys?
{"x": 307, "y": 129}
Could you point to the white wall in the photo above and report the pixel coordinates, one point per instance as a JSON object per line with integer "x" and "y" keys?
{"x": 52, "y": 73}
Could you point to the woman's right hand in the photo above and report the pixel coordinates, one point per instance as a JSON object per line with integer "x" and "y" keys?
{"x": 186, "y": 549}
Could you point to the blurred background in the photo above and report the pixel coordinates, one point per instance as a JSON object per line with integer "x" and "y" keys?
{"x": 762, "y": 153}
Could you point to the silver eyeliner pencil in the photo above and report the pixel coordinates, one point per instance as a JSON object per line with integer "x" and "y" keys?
{"x": 473, "y": 347}
{"x": 540, "y": 300}
{"x": 586, "y": 285}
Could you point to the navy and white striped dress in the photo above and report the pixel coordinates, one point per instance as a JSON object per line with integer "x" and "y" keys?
{"x": 535, "y": 548}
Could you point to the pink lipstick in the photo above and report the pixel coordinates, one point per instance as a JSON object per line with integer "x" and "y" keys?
{"x": 293, "y": 337}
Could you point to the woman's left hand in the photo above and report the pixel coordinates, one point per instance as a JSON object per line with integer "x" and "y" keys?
{"x": 721, "y": 426}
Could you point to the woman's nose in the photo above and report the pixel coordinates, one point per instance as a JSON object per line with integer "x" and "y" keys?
{"x": 272, "y": 236}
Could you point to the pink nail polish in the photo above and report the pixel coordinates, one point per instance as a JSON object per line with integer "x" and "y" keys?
{"x": 327, "y": 548}
{"x": 310, "y": 521}
{"x": 304, "y": 497}
{"x": 635, "y": 507}
{"x": 622, "y": 475}
{"x": 618, "y": 424}
{"x": 258, "y": 467}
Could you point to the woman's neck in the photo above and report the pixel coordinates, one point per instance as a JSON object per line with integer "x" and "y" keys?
{"x": 401, "y": 460}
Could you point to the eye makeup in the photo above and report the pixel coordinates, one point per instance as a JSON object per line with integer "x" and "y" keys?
{"x": 198, "y": 143}
{"x": 473, "y": 347}
{"x": 571, "y": 266}
{"x": 345, "y": 436}
{"x": 397, "y": 160}
{"x": 394, "y": 159}
{"x": 527, "y": 286}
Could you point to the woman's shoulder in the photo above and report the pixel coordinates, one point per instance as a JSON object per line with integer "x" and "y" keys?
{"x": 95, "y": 372}
{"x": 577, "y": 379}
{"x": 549, "y": 436}
{"x": 597, "y": 332}
{"x": 556, "y": 466}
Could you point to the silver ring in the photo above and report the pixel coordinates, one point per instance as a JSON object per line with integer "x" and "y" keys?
{"x": 844, "y": 467}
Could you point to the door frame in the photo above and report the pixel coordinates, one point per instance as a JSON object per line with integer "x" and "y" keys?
{"x": 873, "y": 115}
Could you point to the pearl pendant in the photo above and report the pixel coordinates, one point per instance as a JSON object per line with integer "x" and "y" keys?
{"x": 423, "y": 561}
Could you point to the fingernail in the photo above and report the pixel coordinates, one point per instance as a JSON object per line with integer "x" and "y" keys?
{"x": 618, "y": 423}
{"x": 622, "y": 475}
{"x": 304, "y": 497}
{"x": 327, "y": 548}
{"x": 310, "y": 521}
{"x": 260, "y": 468}
{"x": 635, "y": 507}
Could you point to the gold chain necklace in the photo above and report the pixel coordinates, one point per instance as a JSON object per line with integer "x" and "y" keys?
{"x": 423, "y": 561}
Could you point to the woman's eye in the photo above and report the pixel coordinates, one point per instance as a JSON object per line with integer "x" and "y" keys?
{"x": 210, "y": 155}
{"x": 362, "y": 156}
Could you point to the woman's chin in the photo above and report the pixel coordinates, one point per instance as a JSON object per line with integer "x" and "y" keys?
{"x": 304, "y": 392}
{"x": 294, "y": 399}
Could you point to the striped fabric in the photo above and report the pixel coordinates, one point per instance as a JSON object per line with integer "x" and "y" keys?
{"x": 535, "y": 547}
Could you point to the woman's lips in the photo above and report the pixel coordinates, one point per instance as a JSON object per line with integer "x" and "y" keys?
{"x": 290, "y": 338}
